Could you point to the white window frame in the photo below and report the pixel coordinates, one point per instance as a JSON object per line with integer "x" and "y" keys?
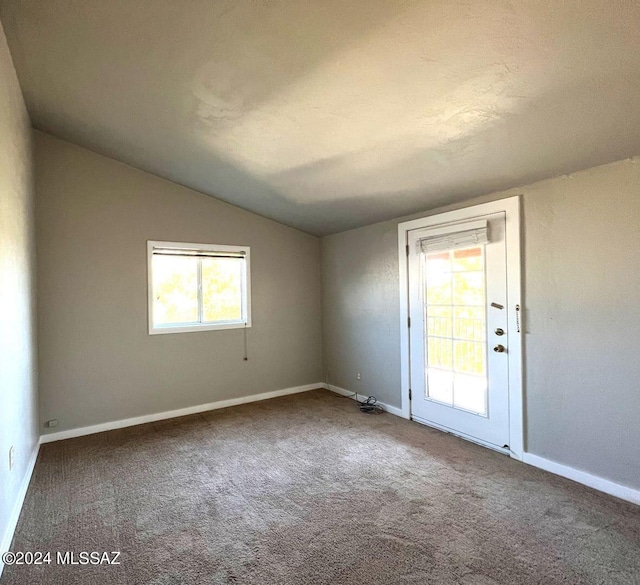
{"x": 191, "y": 327}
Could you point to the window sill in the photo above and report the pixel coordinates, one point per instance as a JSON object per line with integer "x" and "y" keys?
{"x": 193, "y": 328}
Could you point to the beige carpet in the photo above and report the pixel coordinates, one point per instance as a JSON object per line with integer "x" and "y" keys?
{"x": 306, "y": 489}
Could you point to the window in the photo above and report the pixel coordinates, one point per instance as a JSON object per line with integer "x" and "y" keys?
{"x": 198, "y": 287}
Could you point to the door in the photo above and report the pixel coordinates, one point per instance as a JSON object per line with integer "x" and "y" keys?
{"x": 459, "y": 330}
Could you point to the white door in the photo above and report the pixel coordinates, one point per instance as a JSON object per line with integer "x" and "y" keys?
{"x": 458, "y": 329}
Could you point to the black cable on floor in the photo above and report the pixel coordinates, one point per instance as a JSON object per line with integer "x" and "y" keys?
{"x": 370, "y": 406}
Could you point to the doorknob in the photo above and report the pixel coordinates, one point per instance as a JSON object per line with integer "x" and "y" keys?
{"x": 499, "y": 348}
{"x": 499, "y": 331}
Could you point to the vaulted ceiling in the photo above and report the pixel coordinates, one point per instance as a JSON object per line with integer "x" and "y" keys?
{"x": 326, "y": 115}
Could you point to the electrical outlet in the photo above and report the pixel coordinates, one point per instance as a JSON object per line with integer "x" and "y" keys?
{"x": 358, "y": 375}
{"x": 51, "y": 423}
{"x": 12, "y": 457}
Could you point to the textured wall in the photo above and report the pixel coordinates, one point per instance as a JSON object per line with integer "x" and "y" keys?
{"x": 361, "y": 310}
{"x": 18, "y": 384}
{"x": 98, "y": 362}
{"x": 582, "y": 293}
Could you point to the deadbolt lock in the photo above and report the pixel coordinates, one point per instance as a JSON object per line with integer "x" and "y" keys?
{"x": 499, "y": 331}
{"x": 499, "y": 348}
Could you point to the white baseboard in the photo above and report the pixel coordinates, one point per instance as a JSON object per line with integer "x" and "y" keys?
{"x": 129, "y": 422}
{"x": 5, "y": 544}
{"x": 592, "y": 481}
{"x": 356, "y": 396}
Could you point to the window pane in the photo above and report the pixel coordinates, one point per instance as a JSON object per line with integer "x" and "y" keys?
{"x": 439, "y": 321}
{"x": 469, "y": 323}
{"x": 438, "y": 279}
{"x": 470, "y": 393}
{"x": 222, "y": 289}
{"x": 468, "y": 259}
{"x": 439, "y": 353}
{"x": 455, "y": 332}
{"x": 438, "y": 262}
{"x": 468, "y": 288}
{"x": 469, "y": 357}
{"x": 440, "y": 385}
{"x": 175, "y": 290}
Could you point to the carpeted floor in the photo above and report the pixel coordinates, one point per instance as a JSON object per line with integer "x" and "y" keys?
{"x": 306, "y": 489}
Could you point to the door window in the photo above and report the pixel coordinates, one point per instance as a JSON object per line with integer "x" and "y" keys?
{"x": 455, "y": 328}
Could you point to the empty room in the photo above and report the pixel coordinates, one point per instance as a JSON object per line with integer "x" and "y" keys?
{"x": 302, "y": 292}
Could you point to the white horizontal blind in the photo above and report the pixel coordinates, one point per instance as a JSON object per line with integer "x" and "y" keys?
{"x": 465, "y": 235}
{"x": 193, "y": 253}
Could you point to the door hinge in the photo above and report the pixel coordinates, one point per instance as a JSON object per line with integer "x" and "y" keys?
{"x": 409, "y": 393}
{"x": 409, "y": 322}
{"x": 407, "y": 249}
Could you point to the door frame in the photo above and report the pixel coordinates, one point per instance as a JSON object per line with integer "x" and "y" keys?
{"x": 515, "y": 311}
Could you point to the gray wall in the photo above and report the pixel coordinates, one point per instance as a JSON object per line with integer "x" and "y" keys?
{"x": 582, "y": 299}
{"x": 18, "y": 393}
{"x": 97, "y": 361}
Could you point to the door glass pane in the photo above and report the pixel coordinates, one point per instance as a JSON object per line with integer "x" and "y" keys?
{"x": 468, "y": 288}
{"x": 470, "y": 393}
{"x": 469, "y": 323}
{"x": 175, "y": 289}
{"x": 439, "y": 321}
{"x": 440, "y": 353}
{"x": 222, "y": 289}
{"x": 440, "y": 384}
{"x": 455, "y": 332}
{"x": 468, "y": 259}
{"x": 438, "y": 268}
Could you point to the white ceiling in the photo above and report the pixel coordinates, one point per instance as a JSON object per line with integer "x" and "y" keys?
{"x": 327, "y": 115}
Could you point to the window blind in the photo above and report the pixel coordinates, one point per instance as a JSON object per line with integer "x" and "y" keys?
{"x": 465, "y": 235}
{"x": 196, "y": 253}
